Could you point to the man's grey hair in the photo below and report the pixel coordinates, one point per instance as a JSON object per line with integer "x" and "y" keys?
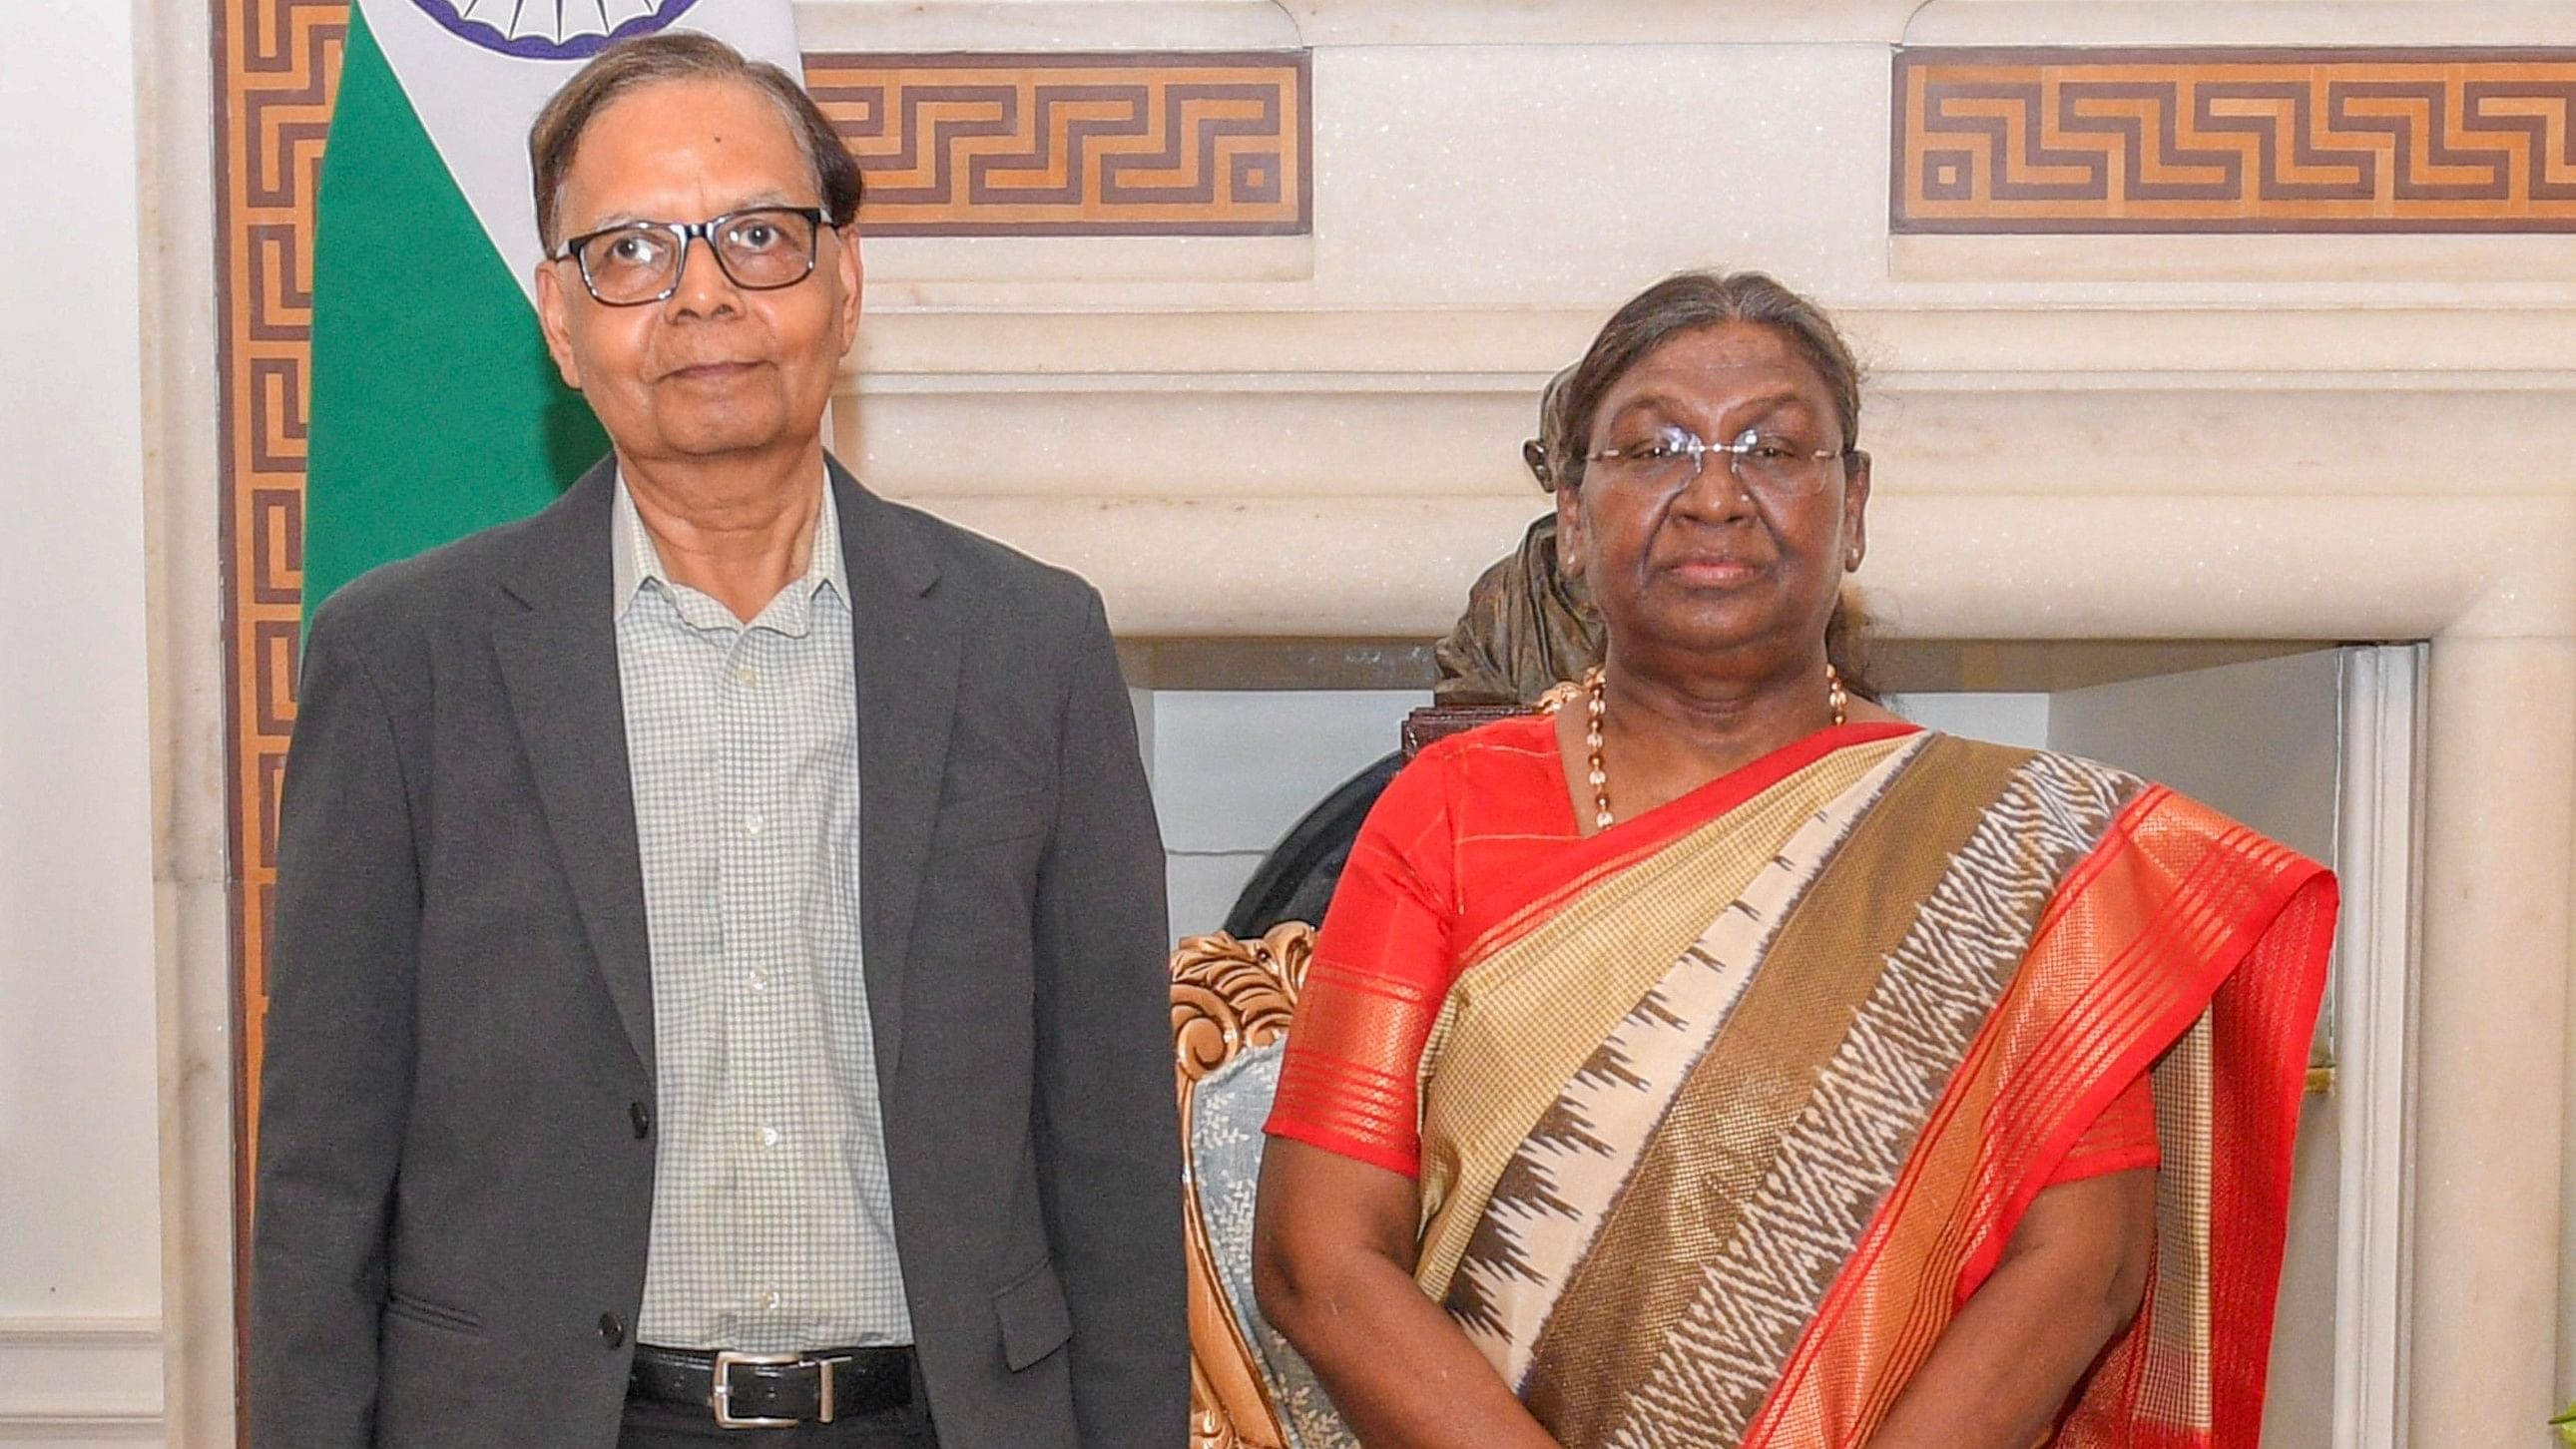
{"x": 677, "y": 55}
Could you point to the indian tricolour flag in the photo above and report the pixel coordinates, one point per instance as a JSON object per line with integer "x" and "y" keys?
{"x": 435, "y": 410}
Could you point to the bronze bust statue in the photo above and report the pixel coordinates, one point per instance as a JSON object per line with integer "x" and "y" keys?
{"x": 1527, "y": 626}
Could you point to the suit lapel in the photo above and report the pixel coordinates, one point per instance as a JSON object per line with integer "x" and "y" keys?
{"x": 558, "y": 654}
{"x": 907, "y": 647}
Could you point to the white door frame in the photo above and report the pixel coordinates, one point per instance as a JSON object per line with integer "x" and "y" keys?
{"x": 2378, "y": 840}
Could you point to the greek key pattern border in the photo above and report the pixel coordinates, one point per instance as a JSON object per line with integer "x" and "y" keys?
{"x": 277, "y": 66}
{"x": 1132, "y": 144}
{"x": 2250, "y": 140}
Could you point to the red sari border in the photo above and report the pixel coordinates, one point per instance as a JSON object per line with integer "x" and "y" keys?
{"x": 2259, "y": 1100}
{"x": 2159, "y": 1038}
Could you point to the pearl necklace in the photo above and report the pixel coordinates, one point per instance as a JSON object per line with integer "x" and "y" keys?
{"x": 1596, "y": 707}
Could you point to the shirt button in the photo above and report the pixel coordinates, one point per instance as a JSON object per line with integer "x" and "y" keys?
{"x": 769, "y": 1300}
{"x": 612, "y": 1329}
{"x": 747, "y": 678}
{"x": 758, "y": 981}
{"x": 754, "y": 824}
{"x": 768, "y": 1136}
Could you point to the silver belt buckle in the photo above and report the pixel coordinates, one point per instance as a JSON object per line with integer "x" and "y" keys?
{"x": 829, "y": 1411}
{"x": 720, "y": 1392}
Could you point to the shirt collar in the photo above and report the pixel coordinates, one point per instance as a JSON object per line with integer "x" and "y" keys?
{"x": 634, "y": 561}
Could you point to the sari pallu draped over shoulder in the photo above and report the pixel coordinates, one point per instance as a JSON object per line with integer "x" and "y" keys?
{"x": 1726, "y": 1116}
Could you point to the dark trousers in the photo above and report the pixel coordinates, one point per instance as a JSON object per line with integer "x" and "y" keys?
{"x": 673, "y": 1426}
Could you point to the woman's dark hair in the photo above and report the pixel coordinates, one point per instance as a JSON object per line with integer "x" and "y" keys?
{"x": 1687, "y": 302}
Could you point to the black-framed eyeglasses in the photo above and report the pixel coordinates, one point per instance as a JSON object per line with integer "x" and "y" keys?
{"x": 1766, "y": 464}
{"x": 760, "y": 248}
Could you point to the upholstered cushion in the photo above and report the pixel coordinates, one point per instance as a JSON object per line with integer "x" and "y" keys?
{"x": 1225, "y": 1156}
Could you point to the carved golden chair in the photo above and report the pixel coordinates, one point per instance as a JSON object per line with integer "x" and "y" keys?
{"x": 1231, "y": 1002}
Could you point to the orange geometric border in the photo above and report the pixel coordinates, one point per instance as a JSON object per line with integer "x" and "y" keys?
{"x": 1196, "y": 144}
{"x": 277, "y": 65}
{"x": 2035, "y": 141}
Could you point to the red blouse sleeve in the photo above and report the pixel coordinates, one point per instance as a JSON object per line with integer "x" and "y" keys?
{"x": 2121, "y": 1139}
{"x": 1380, "y": 969}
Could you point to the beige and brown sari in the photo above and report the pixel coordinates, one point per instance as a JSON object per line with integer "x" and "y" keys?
{"x": 1725, "y": 1112}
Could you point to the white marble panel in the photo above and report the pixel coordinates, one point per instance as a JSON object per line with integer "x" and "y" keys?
{"x": 1345, "y": 567}
{"x": 80, "y": 1212}
{"x": 2198, "y": 444}
{"x": 1448, "y": 175}
{"x": 1213, "y": 442}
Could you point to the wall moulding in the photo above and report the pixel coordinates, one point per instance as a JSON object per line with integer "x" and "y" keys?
{"x": 1053, "y": 25}
{"x": 1596, "y": 22}
{"x": 1220, "y": 441}
{"x": 2234, "y": 22}
{"x": 2362, "y": 262}
{"x": 1157, "y": 24}
{"x": 2137, "y": 342}
{"x": 80, "y": 1380}
{"x": 1962, "y": 568}
{"x": 1139, "y": 265}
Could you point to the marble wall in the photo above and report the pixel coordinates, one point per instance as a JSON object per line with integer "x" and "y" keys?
{"x": 81, "y": 1295}
{"x": 2188, "y": 320}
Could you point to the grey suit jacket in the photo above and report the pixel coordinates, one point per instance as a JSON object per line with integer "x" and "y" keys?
{"x": 455, "y": 1173}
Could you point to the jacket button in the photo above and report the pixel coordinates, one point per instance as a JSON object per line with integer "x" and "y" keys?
{"x": 612, "y": 1329}
{"x": 642, "y": 1117}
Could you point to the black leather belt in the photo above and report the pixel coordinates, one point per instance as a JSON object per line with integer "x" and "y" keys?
{"x": 774, "y": 1390}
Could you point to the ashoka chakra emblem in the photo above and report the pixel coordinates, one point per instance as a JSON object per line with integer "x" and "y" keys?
{"x": 551, "y": 29}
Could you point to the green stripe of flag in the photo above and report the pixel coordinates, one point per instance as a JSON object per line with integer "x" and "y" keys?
{"x": 435, "y": 410}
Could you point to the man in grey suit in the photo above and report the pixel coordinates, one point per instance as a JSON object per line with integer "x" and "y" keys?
{"x": 718, "y": 986}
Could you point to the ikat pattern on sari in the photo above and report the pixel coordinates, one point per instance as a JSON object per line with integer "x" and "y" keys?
{"x": 1557, "y": 1187}
{"x": 1720, "y": 1115}
{"x": 1835, "y": 1165}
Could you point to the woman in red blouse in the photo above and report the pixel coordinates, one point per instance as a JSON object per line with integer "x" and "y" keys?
{"x": 1721, "y": 1060}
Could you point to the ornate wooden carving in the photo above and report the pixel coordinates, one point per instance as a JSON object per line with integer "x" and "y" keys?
{"x": 1227, "y": 995}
